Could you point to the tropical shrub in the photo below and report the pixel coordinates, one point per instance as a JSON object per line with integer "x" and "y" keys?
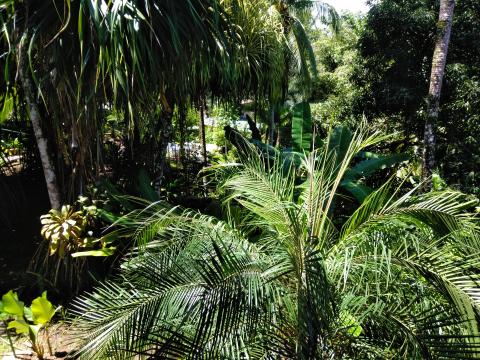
{"x": 70, "y": 232}
{"x": 73, "y": 235}
{"x": 28, "y": 320}
{"x": 279, "y": 279}
{"x": 64, "y": 229}
{"x": 363, "y": 166}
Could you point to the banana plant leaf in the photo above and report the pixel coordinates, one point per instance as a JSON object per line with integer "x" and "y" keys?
{"x": 302, "y": 127}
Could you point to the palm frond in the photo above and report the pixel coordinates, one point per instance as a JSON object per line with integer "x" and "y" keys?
{"x": 399, "y": 280}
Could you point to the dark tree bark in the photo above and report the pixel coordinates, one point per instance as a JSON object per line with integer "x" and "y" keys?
{"x": 253, "y": 128}
{"x": 444, "y": 28}
{"x": 182, "y": 119}
{"x": 202, "y": 130}
{"x": 271, "y": 132}
{"x": 165, "y": 136}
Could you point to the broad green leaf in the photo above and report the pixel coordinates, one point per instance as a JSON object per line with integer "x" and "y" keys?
{"x": 438, "y": 183}
{"x": 352, "y": 324}
{"x": 302, "y": 127}
{"x": 3, "y": 316}
{"x": 33, "y": 331}
{"x": 370, "y": 166}
{"x": 96, "y": 253}
{"x": 42, "y": 309}
{"x": 339, "y": 142}
{"x": 107, "y": 216}
{"x": 20, "y": 326}
{"x": 11, "y": 304}
{"x": 6, "y": 109}
{"x": 359, "y": 191}
{"x": 28, "y": 313}
{"x": 144, "y": 187}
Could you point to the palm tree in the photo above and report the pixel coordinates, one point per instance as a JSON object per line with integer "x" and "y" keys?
{"x": 444, "y": 29}
{"x": 118, "y": 55}
{"x": 16, "y": 41}
{"x": 280, "y": 278}
{"x": 298, "y": 55}
{"x": 133, "y": 57}
{"x": 295, "y": 14}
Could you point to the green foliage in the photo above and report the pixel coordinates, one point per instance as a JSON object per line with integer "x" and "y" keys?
{"x": 277, "y": 278}
{"x": 337, "y": 144}
{"x": 28, "y": 320}
{"x": 144, "y": 187}
{"x": 7, "y": 108}
{"x": 191, "y": 125}
{"x": 225, "y": 115}
{"x": 65, "y": 230}
{"x": 11, "y": 305}
{"x": 42, "y": 310}
{"x": 70, "y": 232}
{"x": 438, "y": 183}
{"x": 302, "y": 127}
{"x": 297, "y": 18}
{"x": 228, "y": 49}
{"x": 392, "y": 75}
{"x": 334, "y": 95}
{"x": 11, "y": 146}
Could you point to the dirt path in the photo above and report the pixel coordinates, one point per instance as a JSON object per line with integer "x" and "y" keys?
{"x": 61, "y": 344}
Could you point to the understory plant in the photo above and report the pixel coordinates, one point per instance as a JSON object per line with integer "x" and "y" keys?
{"x": 279, "y": 278}
{"x": 363, "y": 166}
{"x": 71, "y": 234}
{"x": 28, "y": 320}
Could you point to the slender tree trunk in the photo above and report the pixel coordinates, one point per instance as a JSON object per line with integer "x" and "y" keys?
{"x": 271, "y": 132}
{"x": 42, "y": 143}
{"x": 278, "y": 120}
{"x": 202, "y": 130}
{"x": 166, "y": 121}
{"x": 444, "y": 28}
{"x": 182, "y": 120}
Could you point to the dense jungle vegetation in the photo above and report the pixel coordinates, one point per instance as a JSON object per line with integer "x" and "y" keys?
{"x": 239, "y": 179}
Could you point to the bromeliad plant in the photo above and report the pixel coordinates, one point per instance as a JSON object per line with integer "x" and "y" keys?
{"x": 71, "y": 232}
{"x": 28, "y": 320}
{"x": 70, "y": 235}
{"x": 399, "y": 279}
{"x": 65, "y": 230}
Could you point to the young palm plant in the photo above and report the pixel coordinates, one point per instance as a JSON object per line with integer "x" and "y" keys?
{"x": 278, "y": 279}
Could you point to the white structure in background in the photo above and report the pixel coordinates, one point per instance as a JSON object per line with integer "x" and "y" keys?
{"x": 241, "y": 124}
{"x": 194, "y": 150}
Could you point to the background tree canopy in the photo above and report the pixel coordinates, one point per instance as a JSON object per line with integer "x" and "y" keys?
{"x": 242, "y": 178}
{"x": 392, "y": 74}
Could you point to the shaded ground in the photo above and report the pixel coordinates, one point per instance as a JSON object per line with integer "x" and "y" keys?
{"x": 61, "y": 344}
{"x": 23, "y": 198}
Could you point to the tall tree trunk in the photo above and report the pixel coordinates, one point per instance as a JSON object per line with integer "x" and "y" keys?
{"x": 182, "y": 120}
{"x": 444, "y": 28}
{"x": 166, "y": 134}
{"x": 34, "y": 114}
{"x": 271, "y": 128}
{"x": 202, "y": 130}
{"x": 278, "y": 122}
